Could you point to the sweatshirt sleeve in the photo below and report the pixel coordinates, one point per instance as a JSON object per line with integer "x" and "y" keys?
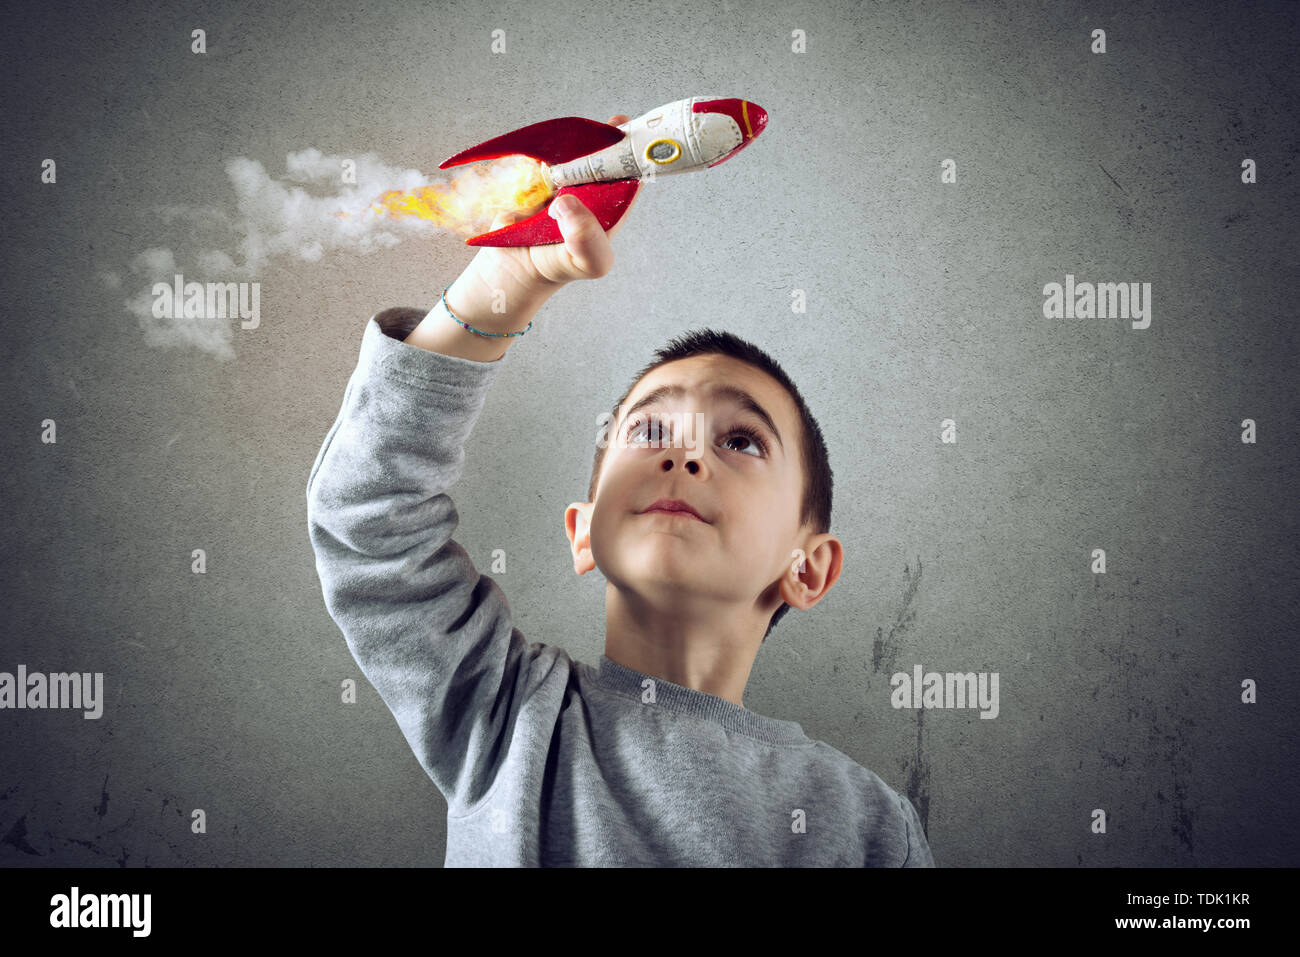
{"x": 432, "y": 635}
{"x": 918, "y": 848}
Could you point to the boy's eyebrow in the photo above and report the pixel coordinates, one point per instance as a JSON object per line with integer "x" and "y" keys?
{"x": 739, "y": 395}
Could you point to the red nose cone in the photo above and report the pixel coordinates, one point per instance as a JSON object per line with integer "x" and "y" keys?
{"x": 750, "y": 118}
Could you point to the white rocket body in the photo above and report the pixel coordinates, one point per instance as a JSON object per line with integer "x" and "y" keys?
{"x": 672, "y": 139}
{"x": 603, "y": 166}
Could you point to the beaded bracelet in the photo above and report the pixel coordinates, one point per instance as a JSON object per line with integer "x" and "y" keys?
{"x": 479, "y": 331}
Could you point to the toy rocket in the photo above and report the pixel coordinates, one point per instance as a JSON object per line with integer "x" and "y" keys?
{"x": 601, "y": 164}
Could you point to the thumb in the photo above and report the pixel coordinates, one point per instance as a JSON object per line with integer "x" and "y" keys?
{"x": 587, "y": 250}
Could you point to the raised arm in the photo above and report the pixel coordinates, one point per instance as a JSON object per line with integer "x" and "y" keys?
{"x": 432, "y": 635}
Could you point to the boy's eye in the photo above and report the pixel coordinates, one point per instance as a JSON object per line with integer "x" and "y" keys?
{"x": 744, "y": 432}
{"x": 655, "y": 431}
{"x": 651, "y": 425}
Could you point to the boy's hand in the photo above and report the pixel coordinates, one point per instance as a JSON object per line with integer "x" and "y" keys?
{"x": 586, "y": 252}
{"x": 504, "y": 286}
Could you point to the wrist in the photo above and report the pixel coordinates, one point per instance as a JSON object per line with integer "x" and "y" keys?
{"x": 443, "y": 331}
{"x": 496, "y": 303}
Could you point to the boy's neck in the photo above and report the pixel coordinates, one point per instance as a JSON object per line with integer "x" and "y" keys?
{"x": 712, "y": 655}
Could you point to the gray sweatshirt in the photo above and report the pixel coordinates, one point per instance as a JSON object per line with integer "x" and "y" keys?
{"x": 544, "y": 760}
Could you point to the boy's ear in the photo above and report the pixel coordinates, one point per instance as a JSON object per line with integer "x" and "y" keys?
{"x": 577, "y": 525}
{"x": 806, "y": 583}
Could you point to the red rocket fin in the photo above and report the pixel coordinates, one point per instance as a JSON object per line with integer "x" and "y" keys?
{"x": 608, "y": 200}
{"x": 551, "y": 141}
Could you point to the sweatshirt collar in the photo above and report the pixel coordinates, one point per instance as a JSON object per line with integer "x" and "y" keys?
{"x": 675, "y": 697}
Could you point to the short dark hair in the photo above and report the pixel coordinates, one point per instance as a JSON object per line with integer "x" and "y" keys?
{"x": 815, "y": 503}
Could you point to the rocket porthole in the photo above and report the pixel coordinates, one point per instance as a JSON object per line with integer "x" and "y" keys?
{"x": 663, "y": 151}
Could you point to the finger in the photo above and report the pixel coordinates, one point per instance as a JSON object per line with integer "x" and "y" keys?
{"x": 618, "y": 119}
{"x": 586, "y": 245}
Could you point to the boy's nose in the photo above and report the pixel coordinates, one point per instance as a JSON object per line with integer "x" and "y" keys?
{"x": 691, "y": 465}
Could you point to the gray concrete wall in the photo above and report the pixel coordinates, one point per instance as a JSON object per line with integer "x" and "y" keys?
{"x": 1119, "y": 691}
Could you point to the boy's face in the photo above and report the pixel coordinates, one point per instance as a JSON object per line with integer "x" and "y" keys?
{"x": 749, "y": 497}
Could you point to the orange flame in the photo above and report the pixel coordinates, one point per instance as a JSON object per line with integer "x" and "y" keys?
{"x": 470, "y": 202}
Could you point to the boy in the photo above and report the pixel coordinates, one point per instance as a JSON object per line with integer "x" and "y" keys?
{"x": 652, "y": 758}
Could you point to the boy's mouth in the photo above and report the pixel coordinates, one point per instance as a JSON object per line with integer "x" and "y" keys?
{"x": 673, "y": 506}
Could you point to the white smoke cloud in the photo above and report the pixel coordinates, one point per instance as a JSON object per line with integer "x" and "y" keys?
{"x": 295, "y": 215}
